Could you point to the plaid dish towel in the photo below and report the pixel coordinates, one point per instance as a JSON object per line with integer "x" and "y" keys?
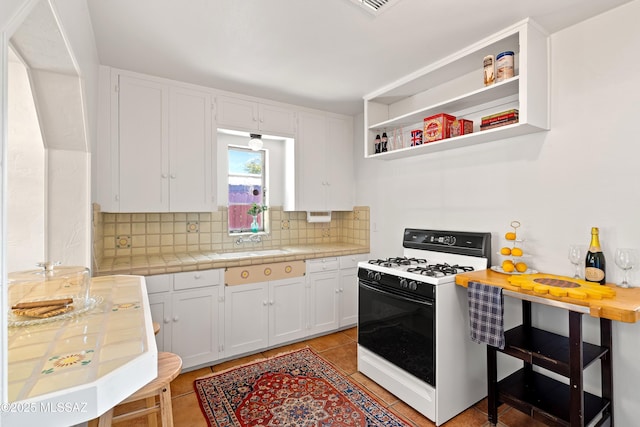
{"x": 486, "y": 312}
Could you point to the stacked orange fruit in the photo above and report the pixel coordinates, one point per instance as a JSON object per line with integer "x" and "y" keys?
{"x": 508, "y": 265}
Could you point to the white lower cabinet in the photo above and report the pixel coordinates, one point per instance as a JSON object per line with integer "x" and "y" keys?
{"x": 349, "y": 289}
{"x": 333, "y": 292}
{"x": 188, "y": 307}
{"x": 197, "y": 314}
{"x": 323, "y": 281}
{"x": 264, "y": 314}
{"x": 194, "y": 332}
{"x": 246, "y": 318}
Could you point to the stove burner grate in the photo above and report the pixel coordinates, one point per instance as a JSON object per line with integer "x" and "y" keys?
{"x": 439, "y": 270}
{"x": 398, "y": 261}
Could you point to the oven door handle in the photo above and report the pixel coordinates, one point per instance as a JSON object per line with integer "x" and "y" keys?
{"x": 403, "y": 298}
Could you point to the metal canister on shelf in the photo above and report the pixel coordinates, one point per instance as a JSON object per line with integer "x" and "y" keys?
{"x": 489, "y": 70}
{"x": 504, "y": 66}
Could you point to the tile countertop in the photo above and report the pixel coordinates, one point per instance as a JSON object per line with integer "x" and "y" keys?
{"x": 146, "y": 265}
{"x": 73, "y": 369}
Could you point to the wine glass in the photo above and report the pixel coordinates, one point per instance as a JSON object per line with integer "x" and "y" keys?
{"x": 626, "y": 259}
{"x": 576, "y": 256}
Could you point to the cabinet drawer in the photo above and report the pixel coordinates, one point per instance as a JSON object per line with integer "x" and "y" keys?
{"x": 323, "y": 264}
{"x": 196, "y": 279}
{"x": 159, "y": 283}
{"x": 351, "y": 261}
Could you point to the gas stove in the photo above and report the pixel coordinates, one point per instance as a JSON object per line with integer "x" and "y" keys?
{"x": 413, "y": 322}
{"x": 432, "y": 257}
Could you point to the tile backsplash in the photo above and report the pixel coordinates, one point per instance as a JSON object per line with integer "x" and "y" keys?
{"x": 130, "y": 234}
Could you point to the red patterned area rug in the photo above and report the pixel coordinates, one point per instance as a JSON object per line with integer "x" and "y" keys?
{"x": 294, "y": 389}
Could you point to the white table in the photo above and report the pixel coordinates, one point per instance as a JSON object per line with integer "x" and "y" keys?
{"x": 72, "y": 370}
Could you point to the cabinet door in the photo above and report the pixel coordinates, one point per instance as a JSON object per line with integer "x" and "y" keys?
{"x": 275, "y": 120}
{"x": 348, "y": 297}
{"x": 311, "y": 194}
{"x": 340, "y": 172}
{"x": 287, "y": 313}
{"x": 190, "y": 149}
{"x": 160, "y": 305}
{"x": 237, "y": 114}
{"x": 246, "y": 318}
{"x": 194, "y": 334}
{"x": 323, "y": 302}
{"x": 142, "y": 132}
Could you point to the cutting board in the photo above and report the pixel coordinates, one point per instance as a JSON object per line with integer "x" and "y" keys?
{"x": 561, "y": 286}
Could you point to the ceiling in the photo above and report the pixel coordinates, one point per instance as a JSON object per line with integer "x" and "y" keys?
{"x": 323, "y": 54}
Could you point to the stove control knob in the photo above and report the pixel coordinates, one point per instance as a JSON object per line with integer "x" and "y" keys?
{"x": 377, "y": 276}
{"x": 370, "y": 274}
{"x": 413, "y": 285}
{"x": 403, "y": 282}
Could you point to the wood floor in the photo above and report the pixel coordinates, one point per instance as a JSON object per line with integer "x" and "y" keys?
{"x": 340, "y": 349}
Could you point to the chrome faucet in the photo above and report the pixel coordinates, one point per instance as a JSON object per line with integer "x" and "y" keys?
{"x": 254, "y": 238}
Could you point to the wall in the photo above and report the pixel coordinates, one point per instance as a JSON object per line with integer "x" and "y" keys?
{"x": 25, "y": 176}
{"x": 582, "y": 173}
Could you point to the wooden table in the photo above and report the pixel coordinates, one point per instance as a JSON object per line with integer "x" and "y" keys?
{"x": 72, "y": 370}
{"x": 536, "y": 394}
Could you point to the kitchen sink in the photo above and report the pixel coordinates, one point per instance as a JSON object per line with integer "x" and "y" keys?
{"x": 257, "y": 253}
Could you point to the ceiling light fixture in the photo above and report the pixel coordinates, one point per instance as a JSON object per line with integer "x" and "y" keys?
{"x": 255, "y": 143}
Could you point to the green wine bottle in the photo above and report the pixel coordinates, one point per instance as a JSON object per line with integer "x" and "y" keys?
{"x": 594, "y": 265}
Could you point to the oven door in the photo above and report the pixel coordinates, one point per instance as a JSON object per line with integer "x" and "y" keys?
{"x": 398, "y": 327}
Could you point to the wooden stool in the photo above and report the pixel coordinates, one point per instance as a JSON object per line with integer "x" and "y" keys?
{"x": 169, "y": 367}
{"x": 156, "y": 328}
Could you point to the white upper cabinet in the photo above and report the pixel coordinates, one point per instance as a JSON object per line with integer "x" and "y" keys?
{"x": 159, "y": 154}
{"x": 241, "y": 114}
{"x": 142, "y": 142}
{"x": 455, "y": 85}
{"x": 190, "y": 151}
{"x": 325, "y": 162}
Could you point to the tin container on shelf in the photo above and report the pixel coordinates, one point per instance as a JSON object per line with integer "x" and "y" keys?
{"x": 504, "y": 66}
{"x": 416, "y": 137}
{"x": 461, "y": 127}
{"x": 437, "y": 127}
{"x": 50, "y": 283}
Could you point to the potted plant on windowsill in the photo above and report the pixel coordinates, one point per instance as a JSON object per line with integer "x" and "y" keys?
{"x": 254, "y": 211}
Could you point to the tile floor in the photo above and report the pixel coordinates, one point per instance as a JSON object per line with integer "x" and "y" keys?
{"x": 340, "y": 349}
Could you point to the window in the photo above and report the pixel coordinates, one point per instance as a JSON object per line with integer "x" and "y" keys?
{"x": 247, "y": 185}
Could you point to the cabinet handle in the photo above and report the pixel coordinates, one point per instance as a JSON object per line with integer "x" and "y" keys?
{"x": 166, "y": 320}
{"x": 265, "y": 303}
{"x": 337, "y": 291}
{"x": 176, "y": 318}
{"x": 173, "y": 176}
{"x": 197, "y": 276}
{"x": 341, "y": 290}
{"x": 164, "y": 175}
{"x": 271, "y": 302}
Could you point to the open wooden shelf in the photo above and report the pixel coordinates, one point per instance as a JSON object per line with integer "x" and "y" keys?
{"x": 546, "y": 349}
{"x": 546, "y": 399}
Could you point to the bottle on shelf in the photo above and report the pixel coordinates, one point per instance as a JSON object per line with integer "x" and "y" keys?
{"x": 377, "y": 144}
{"x": 594, "y": 270}
{"x": 383, "y": 146}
